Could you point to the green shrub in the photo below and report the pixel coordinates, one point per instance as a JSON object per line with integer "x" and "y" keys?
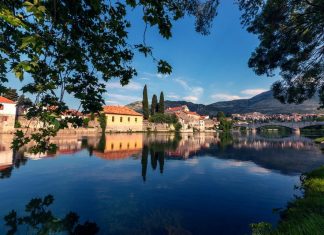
{"x": 177, "y": 126}
{"x": 17, "y": 124}
{"x": 163, "y": 118}
{"x": 86, "y": 122}
{"x": 103, "y": 122}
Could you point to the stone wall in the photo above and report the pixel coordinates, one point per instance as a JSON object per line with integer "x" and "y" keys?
{"x": 7, "y": 123}
{"x": 159, "y": 127}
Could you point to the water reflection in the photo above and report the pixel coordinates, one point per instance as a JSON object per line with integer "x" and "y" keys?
{"x": 154, "y": 149}
{"x": 162, "y": 183}
{"x": 113, "y": 147}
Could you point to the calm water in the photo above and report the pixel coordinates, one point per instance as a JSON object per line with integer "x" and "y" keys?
{"x": 161, "y": 184}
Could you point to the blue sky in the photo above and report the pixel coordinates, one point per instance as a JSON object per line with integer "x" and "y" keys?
{"x": 206, "y": 69}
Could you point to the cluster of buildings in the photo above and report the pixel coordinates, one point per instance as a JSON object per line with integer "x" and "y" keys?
{"x": 192, "y": 121}
{"x": 260, "y": 117}
{"x": 118, "y": 118}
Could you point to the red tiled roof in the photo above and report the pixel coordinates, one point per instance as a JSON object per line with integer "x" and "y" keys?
{"x": 116, "y": 155}
{"x": 5, "y": 100}
{"x": 175, "y": 108}
{"x": 72, "y": 112}
{"x": 192, "y": 113}
{"x": 122, "y": 110}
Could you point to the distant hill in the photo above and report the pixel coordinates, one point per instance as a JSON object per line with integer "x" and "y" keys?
{"x": 263, "y": 103}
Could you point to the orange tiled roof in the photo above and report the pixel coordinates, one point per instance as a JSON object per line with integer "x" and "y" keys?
{"x": 178, "y": 108}
{"x": 122, "y": 110}
{"x": 192, "y": 113}
{"x": 116, "y": 155}
{"x": 5, "y": 100}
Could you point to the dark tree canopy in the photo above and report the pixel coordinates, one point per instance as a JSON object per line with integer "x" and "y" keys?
{"x": 146, "y": 112}
{"x": 220, "y": 115}
{"x": 10, "y": 94}
{"x": 161, "y": 103}
{"x": 154, "y": 105}
{"x": 75, "y": 47}
{"x": 291, "y": 35}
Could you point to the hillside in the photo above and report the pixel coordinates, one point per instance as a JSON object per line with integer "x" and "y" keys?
{"x": 263, "y": 103}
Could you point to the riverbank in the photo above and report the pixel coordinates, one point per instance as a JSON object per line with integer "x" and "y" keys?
{"x": 319, "y": 140}
{"x": 305, "y": 215}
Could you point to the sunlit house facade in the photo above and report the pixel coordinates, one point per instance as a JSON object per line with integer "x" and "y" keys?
{"x": 122, "y": 119}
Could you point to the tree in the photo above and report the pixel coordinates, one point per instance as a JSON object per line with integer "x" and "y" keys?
{"x": 102, "y": 119}
{"x": 291, "y": 39}
{"x": 24, "y": 102}
{"x": 75, "y": 47}
{"x": 161, "y": 103}
{"x": 220, "y": 115}
{"x": 154, "y": 105}
{"x": 10, "y": 94}
{"x": 145, "y": 103}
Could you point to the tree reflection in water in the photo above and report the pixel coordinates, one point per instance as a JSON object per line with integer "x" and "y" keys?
{"x": 39, "y": 219}
{"x": 226, "y": 139}
{"x": 144, "y": 159}
{"x": 157, "y": 152}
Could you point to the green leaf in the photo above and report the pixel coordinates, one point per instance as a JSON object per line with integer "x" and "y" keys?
{"x": 164, "y": 67}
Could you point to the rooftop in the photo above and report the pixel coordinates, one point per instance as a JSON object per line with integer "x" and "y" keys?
{"x": 5, "y": 100}
{"x": 121, "y": 110}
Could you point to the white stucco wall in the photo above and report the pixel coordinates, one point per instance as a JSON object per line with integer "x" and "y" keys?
{"x": 8, "y": 109}
{"x": 6, "y": 157}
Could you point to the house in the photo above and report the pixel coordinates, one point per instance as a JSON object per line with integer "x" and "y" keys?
{"x": 122, "y": 119}
{"x": 177, "y": 109}
{"x": 191, "y": 121}
{"x": 7, "y": 115}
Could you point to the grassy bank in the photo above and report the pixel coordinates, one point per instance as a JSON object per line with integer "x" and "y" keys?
{"x": 304, "y": 215}
{"x": 319, "y": 140}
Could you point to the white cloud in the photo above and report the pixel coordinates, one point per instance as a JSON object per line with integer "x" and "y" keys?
{"x": 172, "y": 96}
{"x": 253, "y": 92}
{"x": 133, "y": 86}
{"x": 156, "y": 75}
{"x": 111, "y": 101}
{"x": 190, "y": 98}
{"x": 194, "y": 91}
{"x": 121, "y": 99}
{"x": 226, "y": 97}
{"x": 144, "y": 78}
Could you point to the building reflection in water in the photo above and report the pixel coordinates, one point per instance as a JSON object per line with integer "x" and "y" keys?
{"x": 153, "y": 150}
{"x": 119, "y": 146}
{"x": 8, "y": 158}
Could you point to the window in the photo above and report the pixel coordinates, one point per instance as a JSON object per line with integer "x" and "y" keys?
{"x": 1, "y": 106}
{"x": 121, "y": 119}
{"x": 113, "y": 118}
{"x": 112, "y": 146}
{"x": 128, "y": 119}
{"x": 135, "y": 119}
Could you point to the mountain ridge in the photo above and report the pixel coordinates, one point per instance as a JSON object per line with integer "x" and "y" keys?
{"x": 263, "y": 103}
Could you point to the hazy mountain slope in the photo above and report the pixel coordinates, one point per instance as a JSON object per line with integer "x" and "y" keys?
{"x": 263, "y": 103}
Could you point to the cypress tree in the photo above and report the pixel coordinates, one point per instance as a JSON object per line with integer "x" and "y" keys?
{"x": 154, "y": 105}
{"x": 145, "y": 103}
{"x": 161, "y": 103}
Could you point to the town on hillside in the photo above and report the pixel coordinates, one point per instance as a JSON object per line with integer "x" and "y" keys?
{"x": 155, "y": 118}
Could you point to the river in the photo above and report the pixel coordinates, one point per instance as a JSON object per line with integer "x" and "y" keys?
{"x": 161, "y": 183}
